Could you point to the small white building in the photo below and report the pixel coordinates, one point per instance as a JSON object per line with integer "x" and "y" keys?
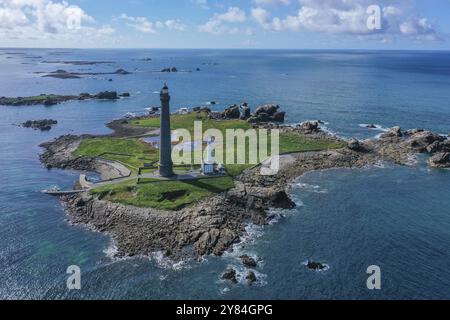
{"x": 208, "y": 164}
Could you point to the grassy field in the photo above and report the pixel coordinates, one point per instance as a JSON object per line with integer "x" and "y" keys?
{"x": 164, "y": 195}
{"x": 186, "y": 121}
{"x": 130, "y": 152}
{"x": 288, "y": 142}
{"x": 134, "y": 153}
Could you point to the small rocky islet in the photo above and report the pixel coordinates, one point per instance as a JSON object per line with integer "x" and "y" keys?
{"x": 63, "y": 74}
{"x": 42, "y": 125}
{"x": 52, "y": 99}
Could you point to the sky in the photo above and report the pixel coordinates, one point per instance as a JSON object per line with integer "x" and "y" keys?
{"x": 259, "y": 24}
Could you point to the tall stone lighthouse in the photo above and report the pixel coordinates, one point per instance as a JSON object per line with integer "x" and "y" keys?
{"x": 165, "y": 148}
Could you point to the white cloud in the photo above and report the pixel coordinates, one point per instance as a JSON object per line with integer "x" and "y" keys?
{"x": 272, "y": 2}
{"x": 175, "y": 25}
{"x": 201, "y": 3}
{"x": 142, "y": 24}
{"x": 234, "y": 14}
{"x": 349, "y": 17}
{"x": 139, "y": 23}
{"x": 221, "y": 23}
{"x": 44, "y": 19}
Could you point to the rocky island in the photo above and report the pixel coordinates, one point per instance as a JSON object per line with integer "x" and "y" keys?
{"x": 53, "y": 99}
{"x": 209, "y": 216}
{"x": 63, "y": 74}
{"x": 43, "y": 125}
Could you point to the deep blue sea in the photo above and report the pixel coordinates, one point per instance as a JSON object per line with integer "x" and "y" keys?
{"x": 395, "y": 217}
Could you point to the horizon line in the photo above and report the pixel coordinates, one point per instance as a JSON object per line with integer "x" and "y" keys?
{"x": 224, "y": 48}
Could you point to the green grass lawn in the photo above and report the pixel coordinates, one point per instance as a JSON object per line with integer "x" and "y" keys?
{"x": 130, "y": 152}
{"x": 288, "y": 142}
{"x": 165, "y": 195}
{"x": 186, "y": 121}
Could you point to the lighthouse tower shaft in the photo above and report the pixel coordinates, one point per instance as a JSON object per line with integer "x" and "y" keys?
{"x": 165, "y": 148}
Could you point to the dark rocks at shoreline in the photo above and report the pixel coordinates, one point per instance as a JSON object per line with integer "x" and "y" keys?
{"x": 172, "y": 69}
{"x": 353, "y": 144}
{"x": 264, "y": 114}
{"x": 315, "y": 266}
{"x": 371, "y": 126}
{"x": 280, "y": 199}
{"x": 425, "y": 141}
{"x": 153, "y": 110}
{"x": 246, "y": 112}
{"x": 43, "y": 125}
{"x": 230, "y": 275}
{"x": 248, "y": 261}
{"x": 393, "y": 132}
{"x": 310, "y": 127}
{"x": 202, "y": 109}
{"x": 107, "y": 95}
{"x": 440, "y": 160}
{"x": 251, "y": 278}
{"x": 267, "y": 113}
{"x": 232, "y": 112}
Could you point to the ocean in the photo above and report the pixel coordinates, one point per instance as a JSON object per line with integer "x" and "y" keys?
{"x": 392, "y": 216}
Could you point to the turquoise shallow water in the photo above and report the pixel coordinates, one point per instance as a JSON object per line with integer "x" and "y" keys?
{"x": 395, "y": 217}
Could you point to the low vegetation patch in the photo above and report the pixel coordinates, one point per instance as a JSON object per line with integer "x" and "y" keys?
{"x": 164, "y": 195}
{"x": 131, "y": 152}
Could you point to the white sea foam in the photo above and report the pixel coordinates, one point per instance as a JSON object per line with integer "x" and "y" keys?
{"x": 311, "y": 188}
{"x": 164, "y": 262}
{"x": 377, "y": 127}
{"x": 111, "y": 251}
{"x": 324, "y": 127}
{"x": 241, "y": 274}
{"x": 412, "y": 160}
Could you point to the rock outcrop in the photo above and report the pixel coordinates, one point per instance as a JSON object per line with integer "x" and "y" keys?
{"x": 353, "y": 144}
{"x": 267, "y": 113}
{"x": 264, "y": 114}
{"x": 43, "y": 125}
{"x": 107, "y": 95}
{"x": 248, "y": 261}
{"x": 440, "y": 160}
{"x": 316, "y": 266}
{"x": 172, "y": 69}
{"x": 251, "y": 277}
{"x": 310, "y": 127}
{"x": 230, "y": 275}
